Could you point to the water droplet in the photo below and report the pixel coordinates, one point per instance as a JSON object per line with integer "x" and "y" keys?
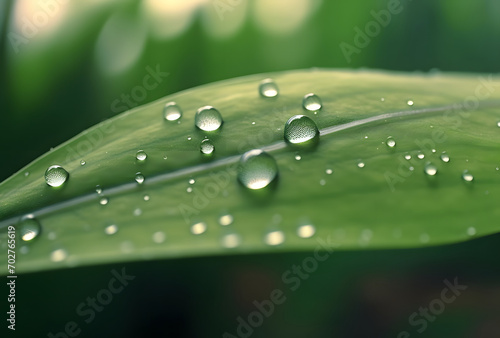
{"x": 208, "y": 118}
{"x": 257, "y": 169}
{"x": 411, "y": 168}
{"x": 268, "y": 88}
{"x": 198, "y": 228}
{"x": 306, "y": 231}
{"x": 444, "y": 157}
{"x": 103, "y": 201}
{"x": 27, "y": 173}
{"x": 409, "y": 102}
{"x": 498, "y": 124}
{"x": 189, "y": 138}
{"x": 172, "y": 112}
{"x": 430, "y": 169}
{"x": 467, "y": 177}
{"x": 329, "y": 171}
{"x": 58, "y": 255}
{"x": 391, "y": 143}
{"x": 111, "y": 229}
{"x": 98, "y": 189}
{"x": 207, "y": 147}
{"x": 433, "y": 150}
{"x": 300, "y": 129}
{"x": 159, "y": 237}
{"x": 51, "y": 236}
{"x": 298, "y": 157}
{"x": 382, "y": 99}
{"x": 230, "y": 241}
{"x": 322, "y": 182}
{"x": 274, "y": 238}
{"x": 191, "y": 181}
{"x": 471, "y": 231}
{"x": 82, "y": 162}
{"x": 407, "y": 157}
{"x": 28, "y": 228}
{"x": 361, "y": 164}
{"x": 146, "y": 198}
{"x": 421, "y": 156}
{"x": 253, "y": 123}
{"x": 139, "y": 178}
{"x": 189, "y": 189}
{"x": 137, "y": 212}
{"x": 312, "y": 102}
{"x": 141, "y": 155}
{"x": 226, "y": 220}
{"x": 424, "y": 238}
{"x": 55, "y": 176}
{"x": 127, "y": 246}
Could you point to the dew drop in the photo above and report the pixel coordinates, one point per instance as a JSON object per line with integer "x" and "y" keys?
{"x": 51, "y": 236}
{"x": 498, "y": 124}
{"x": 444, "y": 157}
{"x": 146, "y": 198}
{"x": 361, "y": 164}
{"x": 55, "y": 176}
{"x": 409, "y": 102}
{"x": 58, "y": 255}
{"x": 198, "y": 228}
{"x": 141, "y": 155}
{"x": 207, "y": 147}
{"x": 274, "y": 238}
{"x": 189, "y": 189}
{"x": 191, "y": 181}
{"x": 137, "y": 212}
{"x": 111, "y": 229}
{"x": 98, "y": 189}
{"x": 172, "y": 112}
{"x": 82, "y": 162}
{"x": 230, "y": 241}
{"x": 322, "y": 182}
{"x": 300, "y": 129}
{"x": 208, "y": 118}
{"x": 421, "y": 156}
{"x": 471, "y": 231}
{"x": 391, "y": 143}
{"x": 139, "y": 178}
{"x": 467, "y": 177}
{"x": 329, "y": 171}
{"x": 159, "y": 237}
{"x": 424, "y": 238}
{"x": 298, "y": 157}
{"x": 407, "y": 157}
{"x": 165, "y": 157}
{"x": 311, "y": 102}
{"x": 29, "y": 228}
{"x": 306, "y": 231}
{"x": 430, "y": 169}
{"x": 268, "y": 88}
{"x": 103, "y": 201}
{"x": 226, "y": 220}
{"x": 27, "y": 173}
{"x": 257, "y": 169}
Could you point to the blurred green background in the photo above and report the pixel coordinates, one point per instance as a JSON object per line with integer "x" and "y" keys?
{"x": 67, "y": 65}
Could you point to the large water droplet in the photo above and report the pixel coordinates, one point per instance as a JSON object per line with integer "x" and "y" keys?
{"x": 141, "y": 155}
{"x": 29, "y": 228}
{"x": 467, "y": 176}
{"x": 430, "y": 169}
{"x": 268, "y": 88}
{"x": 55, "y": 176}
{"x": 139, "y": 178}
{"x": 312, "y": 102}
{"x": 207, "y": 147}
{"x": 274, "y": 238}
{"x": 208, "y": 118}
{"x": 172, "y": 112}
{"x": 257, "y": 169}
{"x": 391, "y": 143}
{"x": 300, "y": 129}
{"x": 306, "y": 231}
{"x": 444, "y": 157}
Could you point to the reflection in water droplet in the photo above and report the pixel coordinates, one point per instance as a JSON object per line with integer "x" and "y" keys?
{"x": 311, "y": 102}
{"x": 361, "y": 164}
{"x": 226, "y": 220}
{"x": 159, "y": 237}
{"x": 139, "y": 178}
{"x": 208, "y": 118}
{"x": 82, "y": 162}
{"x": 206, "y": 147}
{"x": 471, "y": 231}
{"x": 172, "y": 112}
{"x": 300, "y": 129}
{"x": 141, "y": 155}
{"x": 430, "y": 169}
{"x": 55, "y": 176}
{"x": 28, "y": 228}
{"x": 257, "y": 169}
{"x": 111, "y": 229}
{"x": 391, "y": 143}
{"x": 306, "y": 231}
{"x": 103, "y": 201}
{"x": 58, "y": 255}
{"x": 198, "y": 228}
{"x": 444, "y": 157}
{"x": 467, "y": 177}
{"x": 268, "y": 88}
{"x": 274, "y": 238}
{"x": 409, "y": 102}
{"x": 230, "y": 241}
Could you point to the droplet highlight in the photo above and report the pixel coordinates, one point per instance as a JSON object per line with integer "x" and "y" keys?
{"x": 274, "y": 238}
{"x": 111, "y": 229}
{"x": 198, "y": 228}
{"x": 306, "y": 231}
{"x": 226, "y": 220}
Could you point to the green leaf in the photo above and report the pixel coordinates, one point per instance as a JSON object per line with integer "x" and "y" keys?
{"x": 390, "y": 202}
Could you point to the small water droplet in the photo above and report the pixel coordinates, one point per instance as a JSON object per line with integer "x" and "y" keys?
{"x": 111, "y": 229}
{"x": 329, "y": 171}
{"x": 409, "y": 102}
{"x": 366, "y": 136}
{"x": 146, "y": 198}
{"x": 300, "y": 129}
{"x": 127, "y": 246}
{"x": 274, "y": 238}
{"x": 191, "y": 181}
{"x": 306, "y": 231}
{"x": 28, "y": 228}
{"x": 430, "y": 169}
{"x": 159, "y": 237}
{"x": 361, "y": 164}
{"x": 103, "y": 201}
{"x": 382, "y": 99}
{"x": 298, "y": 157}
{"x": 198, "y": 228}
{"x": 58, "y": 255}
{"x": 172, "y": 112}
{"x": 189, "y": 138}
{"x": 139, "y": 178}
{"x": 391, "y": 143}
{"x": 189, "y": 189}
{"x": 55, "y": 176}
{"x": 82, "y": 162}
{"x": 137, "y": 212}
{"x": 433, "y": 150}
{"x": 471, "y": 231}
{"x": 444, "y": 157}
{"x": 208, "y": 118}
{"x": 322, "y": 182}
{"x": 141, "y": 155}
{"x": 467, "y": 176}
{"x": 257, "y": 169}
{"x": 498, "y": 124}
{"x": 253, "y": 123}
{"x": 27, "y": 173}
{"x": 98, "y": 189}
{"x": 312, "y": 102}
{"x": 424, "y": 238}
{"x": 206, "y": 147}
{"x": 226, "y": 220}
{"x": 268, "y": 88}
{"x": 411, "y": 168}
{"x": 421, "y": 156}
{"x": 51, "y": 236}
{"x": 230, "y": 241}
